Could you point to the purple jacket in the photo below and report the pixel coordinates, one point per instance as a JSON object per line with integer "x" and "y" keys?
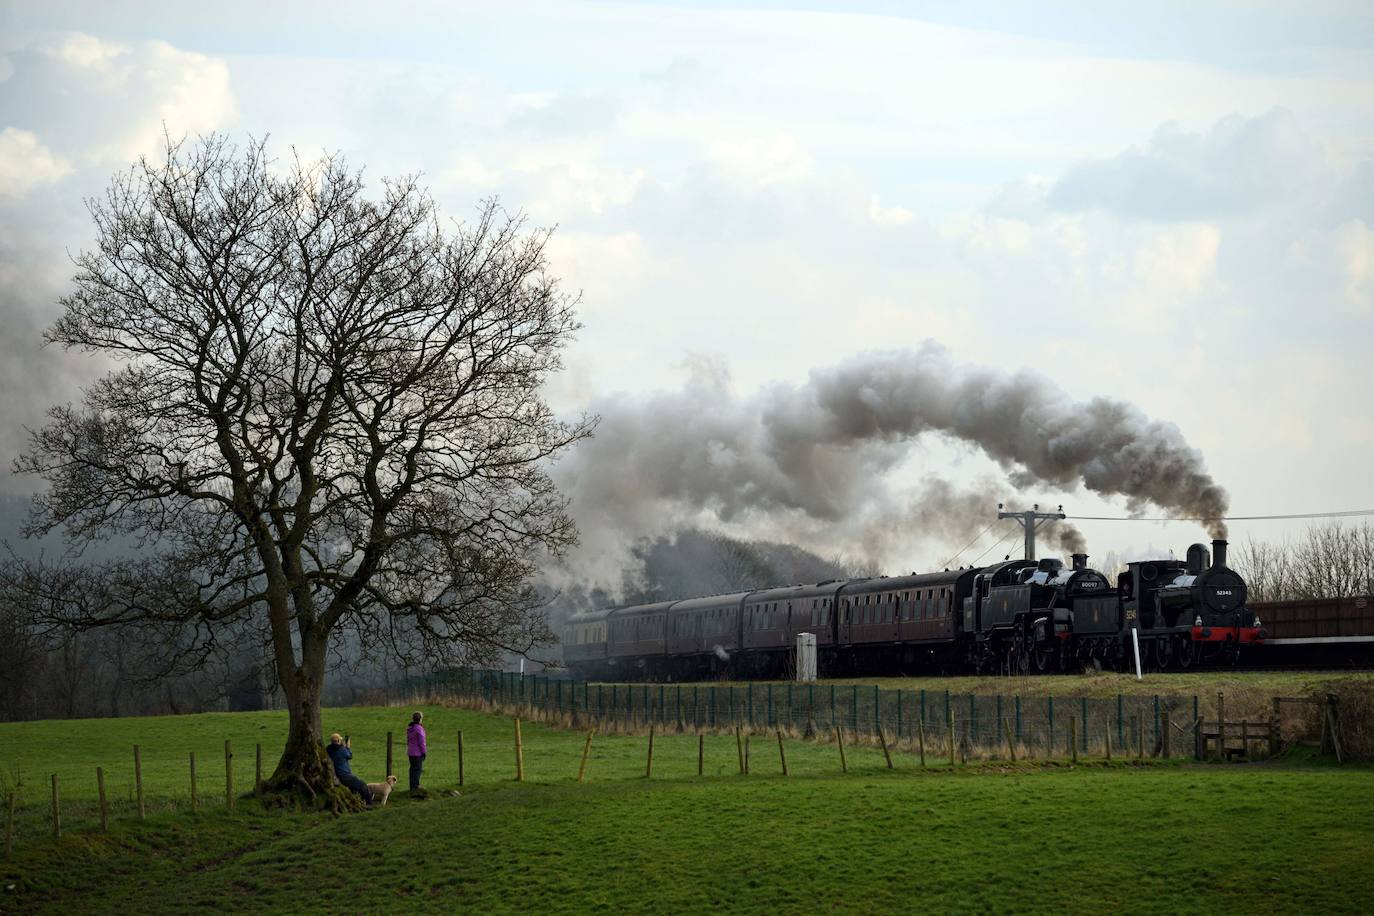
{"x": 415, "y": 741}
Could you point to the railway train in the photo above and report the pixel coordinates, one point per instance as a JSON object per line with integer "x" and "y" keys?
{"x": 1014, "y": 616}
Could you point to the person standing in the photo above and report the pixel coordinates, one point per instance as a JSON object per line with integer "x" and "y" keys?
{"x": 416, "y": 749}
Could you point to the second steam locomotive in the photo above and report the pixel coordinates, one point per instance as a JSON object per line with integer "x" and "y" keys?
{"x": 1015, "y": 617}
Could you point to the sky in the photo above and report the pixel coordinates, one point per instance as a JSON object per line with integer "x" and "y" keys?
{"x": 1168, "y": 204}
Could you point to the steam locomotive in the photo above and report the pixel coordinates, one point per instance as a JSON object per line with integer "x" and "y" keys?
{"x": 1012, "y": 617}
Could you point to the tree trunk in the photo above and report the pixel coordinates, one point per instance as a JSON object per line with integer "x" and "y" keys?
{"x": 304, "y": 775}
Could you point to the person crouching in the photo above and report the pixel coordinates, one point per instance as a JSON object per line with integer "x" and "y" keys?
{"x": 340, "y": 753}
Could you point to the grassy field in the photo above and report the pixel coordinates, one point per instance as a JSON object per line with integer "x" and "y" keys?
{"x": 1289, "y": 836}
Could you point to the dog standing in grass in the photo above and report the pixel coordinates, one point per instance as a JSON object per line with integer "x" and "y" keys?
{"x": 381, "y": 790}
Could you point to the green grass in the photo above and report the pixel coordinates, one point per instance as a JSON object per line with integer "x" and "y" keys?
{"x": 1288, "y": 836}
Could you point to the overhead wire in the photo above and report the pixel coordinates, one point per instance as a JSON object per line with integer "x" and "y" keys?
{"x": 1347, "y": 513}
{"x": 975, "y": 540}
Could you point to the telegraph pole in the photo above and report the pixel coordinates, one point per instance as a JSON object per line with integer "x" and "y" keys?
{"x": 1031, "y": 521}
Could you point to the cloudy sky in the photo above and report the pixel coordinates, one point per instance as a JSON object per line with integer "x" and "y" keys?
{"x": 1167, "y": 204}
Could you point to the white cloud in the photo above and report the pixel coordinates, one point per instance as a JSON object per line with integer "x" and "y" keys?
{"x": 26, "y": 164}
{"x": 1355, "y": 242}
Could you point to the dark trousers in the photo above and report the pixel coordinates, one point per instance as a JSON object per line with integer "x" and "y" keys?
{"x": 357, "y": 786}
{"x": 417, "y": 767}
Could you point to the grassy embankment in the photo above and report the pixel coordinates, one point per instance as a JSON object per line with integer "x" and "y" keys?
{"x": 1285, "y": 836}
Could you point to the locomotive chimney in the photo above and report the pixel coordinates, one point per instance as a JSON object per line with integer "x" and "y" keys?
{"x": 1080, "y": 561}
{"x": 1219, "y": 552}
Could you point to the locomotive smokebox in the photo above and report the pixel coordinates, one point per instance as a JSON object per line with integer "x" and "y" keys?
{"x": 1219, "y": 552}
{"x": 1080, "y": 561}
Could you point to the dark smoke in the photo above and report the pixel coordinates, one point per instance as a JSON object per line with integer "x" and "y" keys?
{"x": 816, "y": 453}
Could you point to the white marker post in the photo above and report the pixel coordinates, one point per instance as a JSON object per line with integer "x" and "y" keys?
{"x": 1135, "y": 641}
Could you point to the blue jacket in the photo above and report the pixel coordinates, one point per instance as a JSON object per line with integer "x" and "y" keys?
{"x": 340, "y": 756}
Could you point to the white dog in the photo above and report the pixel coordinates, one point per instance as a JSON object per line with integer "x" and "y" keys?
{"x": 381, "y": 790}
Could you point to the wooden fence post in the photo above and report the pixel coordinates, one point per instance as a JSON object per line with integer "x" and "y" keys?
{"x": 195, "y": 799}
{"x": 519, "y": 754}
{"x": 460, "y": 756}
{"x": 1107, "y": 736}
{"x": 138, "y": 780}
{"x": 257, "y": 769}
{"x": 782, "y": 755}
{"x": 9, "y": 824}
{"x": 1139, "y": 737}
{"x": 1274, "y": 738}
{"x": 586, "y": 752}
{"x": 56, "y": 811}
{"x": 1221, "y": 725}
{"x": 1198, "y": 745}
{"x": 388, "y": 752}
{"x": 839, "y": 741}
{"x": 949, "y": 720}
{"x": 1011, "y": 748}
{"x": 746, "y": 755}
{"x": 104, "y": 809}
{"x": 1073, "y": 737}
{"x": 228, "y": 777}
{"x": 921, "y": 740}
{"x": 649, "y": 765}
{"x": 701, "y": 754}
{"x": 739, "y": 748}
{"x": 882, "y": 737}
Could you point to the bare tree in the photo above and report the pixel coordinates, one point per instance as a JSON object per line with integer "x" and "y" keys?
{"x": 325, "y": 415}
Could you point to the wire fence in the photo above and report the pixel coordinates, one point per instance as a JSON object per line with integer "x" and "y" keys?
{"x": 980, "y": 726}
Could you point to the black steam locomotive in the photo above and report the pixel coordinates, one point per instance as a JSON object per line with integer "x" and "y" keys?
{"x": 1013, "y": 617}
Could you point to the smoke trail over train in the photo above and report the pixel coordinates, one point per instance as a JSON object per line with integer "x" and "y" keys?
{"x": 818, "y": 452}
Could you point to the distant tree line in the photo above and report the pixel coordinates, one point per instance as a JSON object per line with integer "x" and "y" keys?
{"x": 1326, "y": 561}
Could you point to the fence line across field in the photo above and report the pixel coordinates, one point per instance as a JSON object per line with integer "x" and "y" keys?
{"x": 914, "y": 725}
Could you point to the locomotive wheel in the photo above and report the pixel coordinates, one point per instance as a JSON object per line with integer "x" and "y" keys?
{"x": 1041, "y": 656}
{"x": 1187, "y": 652}
{"x": 1020, "y": 655}
{"x": 1164, "y": 652}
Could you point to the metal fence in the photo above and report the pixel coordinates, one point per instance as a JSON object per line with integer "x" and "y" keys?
{"x": 980, "y": 725}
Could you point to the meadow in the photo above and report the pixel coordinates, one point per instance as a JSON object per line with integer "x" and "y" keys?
{"x": 1290, "y": 835}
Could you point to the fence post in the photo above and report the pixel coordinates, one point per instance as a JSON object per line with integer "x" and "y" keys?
{"x": 586, "y": 752}
{"x": 1085, "y": 724}
{"x": 195, "y": 799}
{"x": 882, "y": 737}
{"x": 56, "y": 811}
{"x": 460, "y": 756}
{"x": 138, "y": 780}
{"x": 739, "y": 748}
{"x": 1107, "y": 737}
{"x": 921, "y": 740}
{"x": 1011, "y": 748}
{"x": 950, "y": 723}
{"x": 782, "y": 755}
{"x": 649, "y": 764}
{"x": 1073, "y": 737}
{"x": 839, "y": 740}
{"x": 519, "y": 754}
{"x": 388, "y": 751}
{"x": 1221, "y": 725}
{"x": 1274, "y": 738}
{"x": 701, "y": 753}
{"x": 228, "y": 777}
{"x": 257, "y": 768}
{"x": 104, "y": 810}
{"x": 1050, "y": 706}
{"x": 9, "y": 824}
{"x": 746, "y": 755}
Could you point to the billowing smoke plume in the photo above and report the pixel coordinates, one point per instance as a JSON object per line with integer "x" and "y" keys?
{"x": 816, "y": 454}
